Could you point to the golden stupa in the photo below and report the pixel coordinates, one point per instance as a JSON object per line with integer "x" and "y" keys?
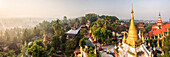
{"x": 132, "y": 33}
{"x": 132, "y": 46}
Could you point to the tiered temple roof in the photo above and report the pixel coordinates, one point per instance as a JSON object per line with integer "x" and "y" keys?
{"x": 159, "y": 28}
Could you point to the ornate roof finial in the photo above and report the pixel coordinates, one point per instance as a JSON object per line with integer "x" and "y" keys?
{"x": 124, "y": 38}
{"x": 143, "y": 39}
{"x": 132, "y": 7}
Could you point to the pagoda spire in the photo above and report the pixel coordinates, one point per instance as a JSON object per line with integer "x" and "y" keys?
{"x": 132, "y": 33}
{"x": 124, "y": 38}
{"x": 159, "y": 20}
{"x": 143, "y": 39}
{"x": 168, "y": 32}
{"x": 158, "y": 41}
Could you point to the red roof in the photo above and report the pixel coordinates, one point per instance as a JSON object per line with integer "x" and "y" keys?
{"x": 164, "y": 29}
{"x": 167, "y": 25}
{"x": 159, "y": 31}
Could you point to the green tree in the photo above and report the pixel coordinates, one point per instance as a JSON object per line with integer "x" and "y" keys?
{"x": 91, "y": 53}
{"x": 100, "y": 22}
{"x": 0, "y": 55}
{"x": 70, "y": 46}
{"x": 111, "y": 19}
{"x": 63, "y": 41}
{"x": 148, "y": 28}
{"x": 91, "y": 17}
{"x": 35, "y": 32}
{"x": 106, "y": 22}
{"x": 12, "y": 53}
{"x": 5, "y": 55}
{"x": 115, "y": 28}
{"x": 166, "y": 46}
{"x": 65, "y": 20}
{"x": 94, "y": 27}
{"x": 77, "y": 39}
{"x": 26, "y": 36}
{"x": 77, "y": 22}
{"x": 102, "y": 34}
{"x": 45, "y": 26}
{"x": 55, "y": 42}
{"x": 83, "y": 32}
{"x": 23, "y": 50}
{"x": 52, "y": 50}
{"x": 37, "y": 49}
{"x": 83, "y": 20}
{"x": 82, "y": 42}
{"x": 58, "y": 29}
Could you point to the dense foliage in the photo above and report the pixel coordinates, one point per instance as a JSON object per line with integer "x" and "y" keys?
{"x": 102, "y": 34}
{"x": 166, "y": 46}
{"x": 37, "y": 49}
{"x": 56, "y": 37}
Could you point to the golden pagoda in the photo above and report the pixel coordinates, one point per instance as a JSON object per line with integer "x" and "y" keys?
{"x": 132, "y": 46}
{"x": 132, "y": 33}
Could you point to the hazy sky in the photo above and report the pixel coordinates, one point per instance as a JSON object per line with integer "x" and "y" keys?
{"x": 144, "y": 9}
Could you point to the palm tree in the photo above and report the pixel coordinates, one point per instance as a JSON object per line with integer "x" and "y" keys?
{"x": 115, "y": 29}
{"x": 57, "y": 27}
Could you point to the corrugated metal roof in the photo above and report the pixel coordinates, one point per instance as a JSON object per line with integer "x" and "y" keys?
{"x": 73, "y": 31}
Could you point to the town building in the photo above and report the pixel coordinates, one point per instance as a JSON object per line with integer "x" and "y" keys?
{"x": 141, "y": 26}
{"x": 72, "y": 33}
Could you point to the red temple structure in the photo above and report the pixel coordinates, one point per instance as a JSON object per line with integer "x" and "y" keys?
{"x": 159, "y": 28}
